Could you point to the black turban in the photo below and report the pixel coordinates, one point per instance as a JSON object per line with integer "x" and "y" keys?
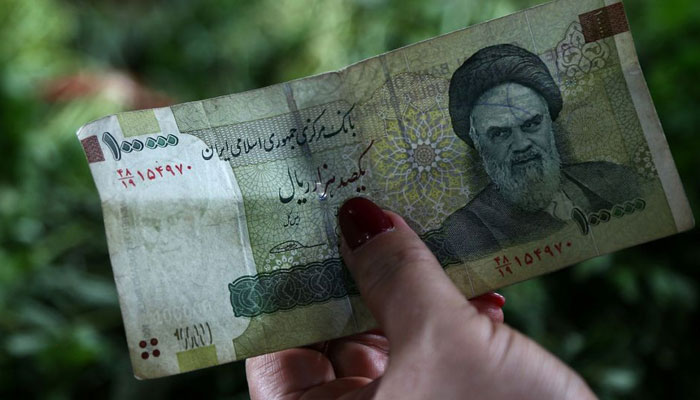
{"x": 493, "y": 66}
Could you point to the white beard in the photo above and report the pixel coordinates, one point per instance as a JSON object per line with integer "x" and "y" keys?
{"x": 532, "y": 186}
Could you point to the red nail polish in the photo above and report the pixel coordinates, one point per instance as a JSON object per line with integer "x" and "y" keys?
{"x": 494, "y": 298}
{"x": 360, "y": 220}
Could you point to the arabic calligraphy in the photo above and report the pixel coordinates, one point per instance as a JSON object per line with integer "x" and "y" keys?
{"x": 312, "y": 131}
{"x": 291, "y": 221}
{"x": 323, "y": 186}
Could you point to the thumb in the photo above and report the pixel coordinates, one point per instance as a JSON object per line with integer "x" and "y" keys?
{"x": 399, "y": 279}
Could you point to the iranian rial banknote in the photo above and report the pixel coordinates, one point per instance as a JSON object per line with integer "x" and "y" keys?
{"x": 514, "y": 148}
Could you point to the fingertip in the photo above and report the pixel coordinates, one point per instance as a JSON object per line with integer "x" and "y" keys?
{"x": 393, "y": 222}
{"x": 494, "y": 298}
{"x": 496, "y": 315}
{"x": 360, "y": 220}
{"x": 398, "y": 221}
{"x": 490, "y": 305}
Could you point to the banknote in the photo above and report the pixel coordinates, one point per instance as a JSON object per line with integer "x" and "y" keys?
{"x": 514, "y": 148}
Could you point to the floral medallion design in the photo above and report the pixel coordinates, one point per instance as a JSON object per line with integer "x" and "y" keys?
{"x": 429, "y": 166}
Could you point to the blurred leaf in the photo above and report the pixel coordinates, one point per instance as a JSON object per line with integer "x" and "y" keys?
{"x": 26, "y": 344}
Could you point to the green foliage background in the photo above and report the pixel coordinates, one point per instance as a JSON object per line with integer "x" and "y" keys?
{"x": 627, "y": 322}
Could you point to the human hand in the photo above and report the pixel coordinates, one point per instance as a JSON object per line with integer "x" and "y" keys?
{"x": 326, "y": 370}
{"x": 442, "y": 346}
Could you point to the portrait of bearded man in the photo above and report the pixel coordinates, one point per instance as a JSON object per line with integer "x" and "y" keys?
{"x": 504, "y": 103}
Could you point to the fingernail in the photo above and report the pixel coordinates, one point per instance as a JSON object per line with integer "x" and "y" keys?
{"x": 360, "y": 220}
{"x": 494, "y": 298}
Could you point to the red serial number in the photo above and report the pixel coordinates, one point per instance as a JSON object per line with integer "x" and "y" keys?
{"x": 504, "y": 264}
{"x": 127, "y": 178}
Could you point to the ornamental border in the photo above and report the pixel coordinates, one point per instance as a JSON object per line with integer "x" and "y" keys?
{"x": 254, "y": 295}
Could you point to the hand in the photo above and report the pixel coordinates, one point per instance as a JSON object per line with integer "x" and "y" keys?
{"x": 327, "y": 369}
{"x": 442, "y": 347}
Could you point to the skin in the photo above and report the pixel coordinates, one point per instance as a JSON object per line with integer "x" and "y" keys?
{"x": 511, "y": 119}
{"x": 442, "y": 347}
